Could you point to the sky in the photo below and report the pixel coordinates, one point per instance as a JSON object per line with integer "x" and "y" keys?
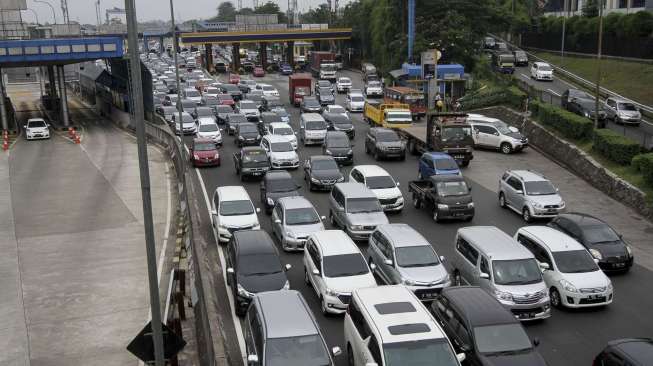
{"x": 83, "y": 11}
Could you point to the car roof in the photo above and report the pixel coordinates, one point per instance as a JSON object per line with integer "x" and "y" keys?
{"x": 35, "y": 120}
{"x": 369, "y": 298}
{"x": 321, "y": 157}
{"x": 206, "y": 121}
{"x": 355, "y": 189}
{"x": 275, "y": 138}
{"x": 621, "y": 100}
{"x": 277, "y": 174}
{"x": 555, "y": 240}
{"x": 254, "y": 242}
{"x": 438, "y": 155}
{"x": 403, "y": 235}
{"x": 528, "y": 175}
{"x": 582, "y": 219}
{"x": 232, "y": 193}
{"x": 539, "y": 63}
{"x": 285, "y": 314}
{"x": 639, "y": 350}
{"x": 334, "y": 242}
{"x": 337, "y": 134}
{"x": 295, "y": 202}
{"x": 371, "y": 170}
{"x": 279, "y": 124}
{"x": 479, "y": 307}
{"x": 202, "y": 140}
{"x": 312, "y": 117}
{"x": 495, "y": 243}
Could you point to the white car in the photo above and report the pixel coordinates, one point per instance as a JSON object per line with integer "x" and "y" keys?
{"x": 573, "y": 277}
{"x": 355, "y": 102}
{"x": 335, "y": 109}
{"x": 207, "y": 128}
{"x": 541, "y": 71}
{"x": 280, "y": 152}
{"x": 343, "y": 84}
{"x": 187, "y": 124}
{"x": 495, "y": 134}
{"x": 379, "y": 181}
{"x": 268, "y": 90}
{"x": 334, "y": 267}
{"x": 284, "y": 131}
{"x": 374, "y": 89}
{"x": 37, "y": 128}
{"x": 248, "y": 108}
{"x": 193, "y": 94}
{"x": 232, "y": 210}
{"x": 211, "y": 91}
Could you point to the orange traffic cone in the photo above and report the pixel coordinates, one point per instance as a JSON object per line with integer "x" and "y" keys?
{"x": 5, "y": 145}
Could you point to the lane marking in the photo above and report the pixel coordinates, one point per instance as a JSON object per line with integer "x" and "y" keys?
{"x": 553, "y": 92}
{"x": 166, "y": 232}
{"x": 525, "y": 76}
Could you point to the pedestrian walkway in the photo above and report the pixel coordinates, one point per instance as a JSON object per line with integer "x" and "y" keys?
{"x": 73, "y": 269}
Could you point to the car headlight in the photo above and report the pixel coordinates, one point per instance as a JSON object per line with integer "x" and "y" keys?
{"x": 290, "y": 234}
{"x": 350, "y": 152}
{"x": 442, "y": 206}
{"x": 341, "y": 179}
{"x": 270, "y": 201}
{"x": 258, "y": 137}
{"x": 315, "y": 180}
{"x": 286, "y": 286}
{"x": 330, "y": 292}
{"x": 596, "y": 254}
{"x": 240, "y": 138}
{"x": 256, "y": 227}
{"x": 244, "y": 293}
{"x": 501, "y": 295}
{"x": 197, "y": 157}
{"x": 609, "y": 287}
{"x": 537, "y": 204}
{"x": 216, "y": 156}
{"x": 568, "y": 286}
{"x": 356, "y": 227}
{"x": 470, "y": 205}
{"x": 630, "y": 251}
{"x": 408, "y": 282}
{"x": 328, "y": 152}
{"x": 586, "y": 114}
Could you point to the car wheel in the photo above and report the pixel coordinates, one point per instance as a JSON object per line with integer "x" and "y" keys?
{"x": 506, "y": 148}
{"x": 556, "y": 300}
{"x": 526, "y": 214}
{"x": 457, "y": 280}
{"x": 436, "y": 215}
{"x": 416, "y": 201}
{"x": 502, "y": 200}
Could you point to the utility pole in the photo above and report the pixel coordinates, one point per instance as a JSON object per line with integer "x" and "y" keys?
{"x": 565, "y": 13}
{"x": 139, "y": 124}
{"x": 174, "y": 53}
{"x": 598, "y": 66}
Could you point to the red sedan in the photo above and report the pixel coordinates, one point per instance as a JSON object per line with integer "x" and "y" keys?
{"x": 226, "y": 99}
{"x": 204, "y": 153}
{"x": 258, "y": 71}
{"x": 234, "y": 78}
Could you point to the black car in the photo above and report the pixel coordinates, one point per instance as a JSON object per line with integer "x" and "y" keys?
{"x": 627, "y": 351}
{"x": 232, "y": 90}
{"x": 337, "y": 145}
{"x": 384, "y": 143}
{"x": 253, "y": 266}
{"x": 325, "y": 96}
{"x": 233, "y": 120}
{"x": 277, "y": 184}
{"x": 220, "y": 67}
{"x": 222, "y": 112}
{"x": 599, "y": 238}
{"x": 323, "y": 84}
{"x": 322, "y": 172}
{"x": 569, "y": 94}
{"x": 251, "y": 161}
{"x": 340, "y": 122}
{"x": 586, "y": 108}
{"x": 478, "y": 325}
{"x": 310, "y": 105}
{"x": 247, "y": 134}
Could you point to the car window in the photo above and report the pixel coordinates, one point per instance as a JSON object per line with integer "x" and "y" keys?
{"x": 355, "y": 175}
{"x": 373, "y": 347}
{"x": 358, "y": 320}
{"x": 514, "y": 183}
{"x": 428, "y": 162}
{"x": 278, "y": 212}
{"x": 255, "y": 327}
{"x": 485, "y": 267}
{"x": 467, "y": 251}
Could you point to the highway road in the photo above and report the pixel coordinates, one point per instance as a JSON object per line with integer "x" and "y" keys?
{"x": 567, "y": 338}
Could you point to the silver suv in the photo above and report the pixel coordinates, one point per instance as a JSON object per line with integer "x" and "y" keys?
{"x": 622, "y": 111}
{"x": 398, "y": 254}
{"x": 293, "y": 220}
{"x": 355, "y": 208}
{"x": 495, "y": 134}
{"x": 529, "y": 194}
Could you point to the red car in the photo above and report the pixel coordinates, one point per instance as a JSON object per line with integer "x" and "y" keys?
{"x": 204, "y": 153}
{"x": 226, "y": 99}
{"x": 258, "y": 71}
{"x": 234, "y": 78}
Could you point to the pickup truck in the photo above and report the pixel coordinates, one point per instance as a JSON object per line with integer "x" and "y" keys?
{"x": 387, "y": 115}
{"x": 446, "y": 196}
{"x": 251, "y": 161}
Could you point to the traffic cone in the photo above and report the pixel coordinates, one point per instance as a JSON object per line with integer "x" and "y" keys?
{"x": 71, "y": 132}
{"x": 77, "y": 140}
{"x": 5, "y": 145}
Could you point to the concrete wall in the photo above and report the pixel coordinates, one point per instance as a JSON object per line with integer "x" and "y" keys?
{"x": 574, "y": 159}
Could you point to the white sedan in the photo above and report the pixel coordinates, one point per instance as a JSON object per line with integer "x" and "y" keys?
{"x": 36, "y": 128}
{"x": 343, "y": 84}
{"x": 268, "y": 90}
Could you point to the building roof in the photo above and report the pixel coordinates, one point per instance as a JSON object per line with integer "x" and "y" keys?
{"x": 495, "y": 243}
{"x": 285, "y": 314}
{"x": 334, "y": 242}
{"x": 479, "y": 307}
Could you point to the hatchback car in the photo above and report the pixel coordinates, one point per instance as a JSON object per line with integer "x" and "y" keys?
{"x": 280, "y": 152}
{"x": 233, "y": 120}
{"x": 541, "y": 71}
{"x": 529, "y": 194}
{"x": 339, "y": 122}
{"x": 209, "y": 130}
{"x": 203, "y": 152}
{"x": 284, "y": 131}
{"x": 623, "y": 111}
{"x": 293, "y": 220}
{"x": 277, "y": 184}
{"x": 232, "y": 210}
{"x": 337, "y": 145}
{"x": 325, "y": 96}
{"x": 436, "y": 163}
{"x": 321, "y": 172}
{"x": 247, "y": 134}
{"x": 381, "y": 183}
{"x": 36, "y": 128}
{"x": 187, "y": 124}
{"x": 310, "y": 105}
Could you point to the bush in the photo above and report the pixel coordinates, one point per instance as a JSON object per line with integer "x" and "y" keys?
{"x": 615, "y": 147}
{"x": 515, "y": 98}
{"x": 644, "y": 164}
{"x": 568, "y": 124}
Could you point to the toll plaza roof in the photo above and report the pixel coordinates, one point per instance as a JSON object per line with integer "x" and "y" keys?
{"x": 280, "y": 35}
{"x": 58, "y": 51}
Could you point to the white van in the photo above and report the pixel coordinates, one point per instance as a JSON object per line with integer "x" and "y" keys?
{"x": 312, "y": 129}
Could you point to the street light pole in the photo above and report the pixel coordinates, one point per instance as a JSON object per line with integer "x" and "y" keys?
{"x": 598, "y": 66}
{"x": 54, "y": 15}
{"x": 564, "y": 25}
{"x": 139, "y": 124}
{"x": 174, "y": 52}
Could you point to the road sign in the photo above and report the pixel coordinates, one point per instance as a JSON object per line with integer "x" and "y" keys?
{"x": 143, "y": 347}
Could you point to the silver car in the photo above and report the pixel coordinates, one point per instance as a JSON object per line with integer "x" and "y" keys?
{"x": 398, "y": 254}
{"x": 356, "y": 209}
{"x": 529, "y": 194}
{"x": 622, "y": 111}
{"x": 293, "y": 220}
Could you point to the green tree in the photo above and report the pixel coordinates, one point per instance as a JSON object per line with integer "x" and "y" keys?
{"x": 226, "y": 12}
{"x": 272, "y": 8}
{"x": 590, "y": 9}
{"x": 319, "y": 15}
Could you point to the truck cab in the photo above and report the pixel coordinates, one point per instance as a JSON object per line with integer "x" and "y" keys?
{"x": 387, "y": 115}
{"x": 503, "y": 62}
{"x": 452, "y": 134}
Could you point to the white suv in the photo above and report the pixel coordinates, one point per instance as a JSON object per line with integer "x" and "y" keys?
{"x": 334, "y": 267}
{"x": 381, "y": 183}
{"x": 388, "y": 323}
{"x": 280, "y": 152}
{"x": 232, "y": 210}
{"x": 495, "y": 134}
{"x": 571, "y": 274}
{"x": 529, "y": 194}
{"x": 541, "y": 71}
{"x": 284, "y": 131}
{"x": 207, "y": 128}
{"x": 355, "y": 102}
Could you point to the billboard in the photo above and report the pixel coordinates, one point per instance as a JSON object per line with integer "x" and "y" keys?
{"x": 13, "y": 4}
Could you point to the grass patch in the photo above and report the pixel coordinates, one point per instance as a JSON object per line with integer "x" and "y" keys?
{"x": 631, "y": 79}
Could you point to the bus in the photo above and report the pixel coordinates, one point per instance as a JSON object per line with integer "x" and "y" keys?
{"x": 404, "y": 95}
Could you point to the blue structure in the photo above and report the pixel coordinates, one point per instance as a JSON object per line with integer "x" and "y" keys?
{"x": 449, "y": 72}
{"x": 52, "y": 51}
{"x": 411, "y": 28}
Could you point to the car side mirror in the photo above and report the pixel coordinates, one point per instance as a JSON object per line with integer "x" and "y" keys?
{"x": 287, "y": 267}
{"x": 252, "y": 359}
{"x": 388, "y": 262}
{"x": 322, "y": 218}
{"x": 442, "y": 258}
{"x": 544, "y": 266}
{"x": 316, "y": 272}
{"x": 398, "y": 184}
{"x": 24, "y": 126}
{"x": 536, "y": 342}
{"x": 484, "y": 275}
{"x": 596, "y": 261}
{"x": 230, "y": 270}
{"x": 336, "y": 351}
{"x": 214, "y": 212}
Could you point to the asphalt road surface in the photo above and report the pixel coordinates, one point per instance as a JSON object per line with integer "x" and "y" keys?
{"x": 567, "y": 338}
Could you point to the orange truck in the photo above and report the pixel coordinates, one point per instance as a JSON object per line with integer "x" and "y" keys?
{"x": 299, "y": 85}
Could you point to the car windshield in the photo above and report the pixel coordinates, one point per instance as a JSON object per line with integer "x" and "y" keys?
{"x": 416, "y": 256}
{"x": 357, "y": 98}
{"x": 574, "y": 261}
{"x": 339, "y": 119}
{"x": 539, "y": 188}
{"x": 187, "y": 118}
{"x": 209, "y": 127}
{"x": 224, "y": 109}
{"x": 259, "y": 264}
{"x": 627, "y": 107}
{"x": 326, "y": 164}
{"x": 520, "y": 53}
{"x": 544, "y": 68}
{"x": 363, "y": 205}
{"x": 503, "y": 129}
{"x": 235, "y": 208}
{"x": 326, "y": 91}
{"x": 387, "y": 136}
{"x": 257, "y": 156}
{"x": 344, "y": 265}
{"x": 204, "y": 146}
{"x": 284, "y": 131}
{"x": 452, "y": 188}
{"x": 424, "y": 352}
{"x": 247, "y": 105}
{"x": 399, "y": 117}
{"x": 311, "y": 103}
{"x": 268, "y": 88}
{"x": 344, "y": 81}
{"x": 237, "y": 118}
{"x": 281, "y": 146}
{"x": 301, "y": 216}
{"x": 316, "y": 125}
{"x": 204, "y": 112}
{"x": 307, "y": 350}
{"x": 337, "y": 142}
{"x": 281, "y": 185}
{"x": 192, "y": 93}
{"x": 445, "y": 164}
{"x": 516, "y": 272}
{"x": 337, "y": 109}
{"x": 374, "y": 84}
{"x": 32, "y": 124}
{"x": 248, "y": 128}
{"x": 456, "y": 133}
{"x": 380, "y": 182}
{"x": 596, "y": 234}
{"x": 502, "y": 338}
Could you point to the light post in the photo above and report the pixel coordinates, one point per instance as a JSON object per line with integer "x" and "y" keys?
{"x": 598, "y": 66}
{"x": 174, "y": 52}
{"x": 54, "y": 15}
{"x": 564, "y": 25}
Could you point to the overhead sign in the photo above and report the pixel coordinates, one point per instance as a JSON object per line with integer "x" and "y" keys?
{"x": 143, "y": 345}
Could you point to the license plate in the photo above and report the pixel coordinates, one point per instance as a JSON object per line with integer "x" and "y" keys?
{"x": 527, "y": 315}
{"x": 256, "y": 173}
{"x": 619, "y": 265}
{"x": 594, "y": 297}
{"x": 459, "y": 157}
{"x": 551, "y": 210}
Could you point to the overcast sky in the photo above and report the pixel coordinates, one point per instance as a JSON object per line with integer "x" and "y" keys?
{"x": 83, "y": 11}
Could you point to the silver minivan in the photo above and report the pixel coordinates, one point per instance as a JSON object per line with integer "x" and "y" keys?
{"x": 356, "y": 209}
{"x": 312, "y": 129}
{"x": 487, "y": 257}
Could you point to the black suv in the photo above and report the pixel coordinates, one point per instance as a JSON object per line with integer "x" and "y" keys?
{"x": 337, "y": 145}
{"x": 478, "y": 325}
{"x": 322, "y": 172}
{"x": 277, "y": 184}
{"x": 247, "y": 134}
{"x": 340, "y": 122}
{"x": 253, "y": 266}
{"x": 384, "y": 143}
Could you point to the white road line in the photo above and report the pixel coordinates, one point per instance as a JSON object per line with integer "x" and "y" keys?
{"x": 552, "y": 92}
{"x": 525, "y": 76}
{"x": 162, "y": 255}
